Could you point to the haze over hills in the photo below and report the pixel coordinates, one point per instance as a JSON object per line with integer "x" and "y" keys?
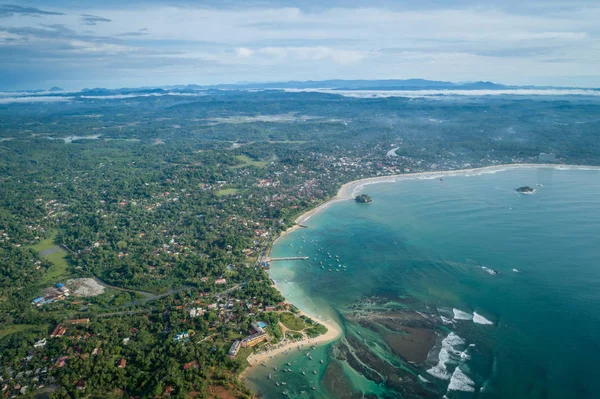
{"x": 387, "y": 84}
{"x": 332, "y": 84}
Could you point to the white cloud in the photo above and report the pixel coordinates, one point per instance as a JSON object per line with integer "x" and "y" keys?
{"x": 8, "y": 100}
{"x": 450, "y": 43}
{"x": 243, "y": 52}
{"x": 452, "y": 93}
{"x": 308, "y": 54}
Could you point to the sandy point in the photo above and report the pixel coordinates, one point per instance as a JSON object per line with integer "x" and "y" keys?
{"x": 334, "y": 331}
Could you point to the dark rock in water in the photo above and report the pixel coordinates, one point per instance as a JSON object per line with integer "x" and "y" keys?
{"x": 362, "y": 359}
{"x": 337, "y": 384}
{"x": 363, "y": 198}
{"x": 525, "y": 190}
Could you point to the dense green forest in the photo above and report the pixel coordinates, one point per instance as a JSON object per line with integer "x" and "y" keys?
{"x": 170, "y": 202}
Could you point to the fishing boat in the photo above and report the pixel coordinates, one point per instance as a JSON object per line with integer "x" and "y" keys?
{"x": 270, "y": 376}
{"x": 321, "y": 361}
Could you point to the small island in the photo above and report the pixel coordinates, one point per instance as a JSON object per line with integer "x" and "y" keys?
{"x": 363, "y": 199}
{"x": 525, "y": 190}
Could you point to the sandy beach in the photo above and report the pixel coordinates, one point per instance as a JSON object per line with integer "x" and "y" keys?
{"x": 351, "y": 189}
{"x": 333, "y": 332}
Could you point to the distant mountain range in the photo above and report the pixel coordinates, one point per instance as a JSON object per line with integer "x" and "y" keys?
{"x": 335, "y": 84}
{"x": 339, "y": 84}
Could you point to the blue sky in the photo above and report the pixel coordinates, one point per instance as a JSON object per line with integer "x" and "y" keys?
{"x": 77, "y": 44}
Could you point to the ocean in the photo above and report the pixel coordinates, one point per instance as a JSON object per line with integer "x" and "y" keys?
{"x": 458, "y": 287}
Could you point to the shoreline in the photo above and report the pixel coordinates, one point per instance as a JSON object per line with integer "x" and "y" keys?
{"x": 347, "y": 192}
{"x": 334, "y": 331}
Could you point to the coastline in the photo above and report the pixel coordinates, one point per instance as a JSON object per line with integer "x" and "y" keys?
{"x": 334, "y": 331}
{"x": 347, "y": 192}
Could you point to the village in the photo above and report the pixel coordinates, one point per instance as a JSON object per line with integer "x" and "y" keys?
{"x": 209, "y": 317}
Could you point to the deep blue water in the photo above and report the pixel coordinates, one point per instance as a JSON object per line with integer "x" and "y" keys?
{"x": 425, "y": 245}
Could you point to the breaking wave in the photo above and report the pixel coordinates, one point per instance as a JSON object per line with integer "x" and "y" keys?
{"x": 479, "y": 319}
{"x": 448, "y": 354}
{"x": 461, "y": 382}
{"x": 460, "y": 315}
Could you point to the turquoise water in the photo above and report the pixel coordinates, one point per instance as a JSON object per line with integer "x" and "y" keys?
{"x": 431, "y": 246}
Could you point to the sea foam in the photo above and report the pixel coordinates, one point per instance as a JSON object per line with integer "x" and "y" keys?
{"x": 479, "y": 319}
{"x": 460, "y": 315}
{"x": 448, "y": 354}
{"x": 461, "y": 382}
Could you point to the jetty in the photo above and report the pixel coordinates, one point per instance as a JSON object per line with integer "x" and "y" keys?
{"x": 287, "y": 258}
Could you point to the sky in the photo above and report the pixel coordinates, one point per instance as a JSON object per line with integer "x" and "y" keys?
{"x": 75, "y": 44}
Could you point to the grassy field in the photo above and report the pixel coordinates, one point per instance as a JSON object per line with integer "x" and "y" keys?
{"x": 226, "y": 191}
{"x": 247, "y": 161}
{"x": 292, "y": 322}
{"x": 17, "y": 328}
{"x": 58, "y": 259}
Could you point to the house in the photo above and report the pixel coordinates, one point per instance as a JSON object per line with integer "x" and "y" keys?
{"x": 270, "y": 308}
{"x": 254, "y": 339}
{"x": 235, "y": 348}
{"x": 37, "y": 301}
{"x": 79, "y": 321}
{"x": 58, "y": 331}
{"x": 40, "y": 344}
{"x": 183, "y": 336}
{"x": 80, "y": 385}
{"x": 191, "y": 365}
{"x": 168, "y": 390}
{"x": 122, "y": 363}
{"x": 196, "y": 312}
{"x": 259, "y": 327}
{"x": 220, "y": 281}
{"x": 61, "y": 361}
